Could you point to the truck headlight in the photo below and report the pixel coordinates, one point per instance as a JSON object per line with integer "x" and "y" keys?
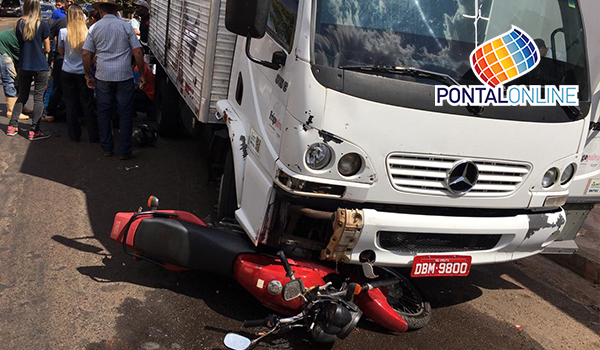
{"x": 350, "y": 164}
{"x": 318, "y": 156}
{"x": 567, "y": 174}
{"x": 550, "y": 178}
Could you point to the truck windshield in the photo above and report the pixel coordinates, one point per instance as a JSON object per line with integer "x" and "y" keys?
{"x": 439, "y": 36}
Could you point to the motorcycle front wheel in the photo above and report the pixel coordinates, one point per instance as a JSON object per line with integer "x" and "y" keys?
{"x": 408, "y": 302}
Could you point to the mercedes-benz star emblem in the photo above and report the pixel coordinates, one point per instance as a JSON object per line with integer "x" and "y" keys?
{"x": 462, "y": 177}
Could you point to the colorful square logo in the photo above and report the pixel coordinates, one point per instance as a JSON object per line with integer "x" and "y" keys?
{"x": 505, "y": 57}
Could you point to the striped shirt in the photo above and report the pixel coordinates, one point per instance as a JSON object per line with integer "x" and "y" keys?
{"x": 112, "y": 40}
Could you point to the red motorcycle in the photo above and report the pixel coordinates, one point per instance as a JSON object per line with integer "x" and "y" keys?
{"x": 326, "y": 301}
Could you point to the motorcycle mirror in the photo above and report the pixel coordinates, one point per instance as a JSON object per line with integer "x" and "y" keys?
{"x": 235, "y": 341}
{"x": 293, "y": 289}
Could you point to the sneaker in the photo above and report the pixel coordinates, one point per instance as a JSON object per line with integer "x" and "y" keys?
{"x": 40, "y": 135}
{"x": 12, "y": 131}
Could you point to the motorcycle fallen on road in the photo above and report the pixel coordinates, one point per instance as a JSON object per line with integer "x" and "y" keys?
{"x": 327, "y": 301}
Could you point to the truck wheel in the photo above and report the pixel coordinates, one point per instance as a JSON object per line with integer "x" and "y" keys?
{"x": 408, "y": 302}
{"x": 227, "y": 204}
{"x": 166, "y": 104}
{"x": 193, "y": 128}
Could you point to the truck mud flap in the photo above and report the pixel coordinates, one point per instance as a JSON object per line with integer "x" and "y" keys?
{"x": 170, "y": 241}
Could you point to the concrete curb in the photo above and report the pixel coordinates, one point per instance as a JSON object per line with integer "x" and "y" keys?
{"x": 580, "y": 264}
{"x": 586, "y": 261}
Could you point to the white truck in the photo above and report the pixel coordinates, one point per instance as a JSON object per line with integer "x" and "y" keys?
{"x": 337, "y": 150}
{"x": 584, "y": 192}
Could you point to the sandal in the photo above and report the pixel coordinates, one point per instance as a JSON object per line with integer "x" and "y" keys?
{"x": 48, "y": 118}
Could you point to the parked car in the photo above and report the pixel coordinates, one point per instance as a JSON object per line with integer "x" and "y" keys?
{"x": 11, "y": 8}
{"x": 47, "y": 10}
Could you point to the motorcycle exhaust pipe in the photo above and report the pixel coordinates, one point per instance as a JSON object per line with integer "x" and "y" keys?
{"x": 185, "y": 244}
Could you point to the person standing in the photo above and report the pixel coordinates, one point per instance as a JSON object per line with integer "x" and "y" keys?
{"x": 60, "y": 10}
{"x": 75, "y": 91}
{"x": 142, "y": 9}
{"x": 34, "y": 43}
{"x": 112, "y": 42}
{"x": 54, "y": 106}
{"x": 9, "y": 54}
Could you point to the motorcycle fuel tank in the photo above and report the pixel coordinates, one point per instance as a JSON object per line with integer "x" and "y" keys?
{"x": 264, "y": 277}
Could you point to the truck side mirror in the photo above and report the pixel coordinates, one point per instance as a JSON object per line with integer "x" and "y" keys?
{"x": 247, "y": 18}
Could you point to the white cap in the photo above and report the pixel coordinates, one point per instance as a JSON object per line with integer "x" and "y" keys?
{"x": 142, "y": 3}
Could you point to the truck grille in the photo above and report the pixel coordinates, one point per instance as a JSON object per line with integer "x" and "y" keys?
{"x": 426, "y": 174}
{"x": 435, "y": 243}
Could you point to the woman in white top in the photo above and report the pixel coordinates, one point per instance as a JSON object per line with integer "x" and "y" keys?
{"x": 75, "y": 90}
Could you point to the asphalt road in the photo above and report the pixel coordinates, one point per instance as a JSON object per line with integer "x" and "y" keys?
{"x": 65, "y": 285}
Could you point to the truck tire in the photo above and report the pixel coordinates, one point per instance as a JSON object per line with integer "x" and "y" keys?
{"x": 166, "y": 104}
{"x": 193, "y": 128}
{"x": 227, "y": 202}
{"x": 408, "y": 301}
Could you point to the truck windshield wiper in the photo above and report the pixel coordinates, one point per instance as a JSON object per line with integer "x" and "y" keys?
{"x": 574, "y": 111}
{"x": 414, "y": 72}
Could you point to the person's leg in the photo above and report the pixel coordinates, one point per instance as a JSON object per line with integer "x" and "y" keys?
{"x": 12, "y": 79}
{"x": 8, "y": 83}
{"x": 125, "y": 109}
{"x": 114, "y": 115}
{"x": 40, "y": 84}
{"x": 103, "y": 93}
{"x": 56, "y": 94}
{"x": 25, "y": 78}
{"x": 86, "y": 99}
{"x": 71, "y": 99}
{"x": 139, "y": 102}
{"x": 142, "y": 103}
{"x": 7, "y": 69}
{"x": 150, "y": 110}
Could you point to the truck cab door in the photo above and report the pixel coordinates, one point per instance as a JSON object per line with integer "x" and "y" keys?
{"x": 273, "y": 85}
{"x": 262, "y": 110}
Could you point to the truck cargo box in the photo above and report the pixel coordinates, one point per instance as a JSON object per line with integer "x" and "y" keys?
{"x": 191, "y": 43}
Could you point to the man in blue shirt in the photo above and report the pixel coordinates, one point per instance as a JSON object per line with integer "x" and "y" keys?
{"x": 111, "y": 43}
{"x": 60, "y": 10}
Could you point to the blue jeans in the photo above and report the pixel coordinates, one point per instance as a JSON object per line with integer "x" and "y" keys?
{"x": 9, "y": 75}
{"x": 122, "y": 93}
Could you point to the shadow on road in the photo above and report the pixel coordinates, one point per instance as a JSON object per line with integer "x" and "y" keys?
{"x": 176, "y": 172}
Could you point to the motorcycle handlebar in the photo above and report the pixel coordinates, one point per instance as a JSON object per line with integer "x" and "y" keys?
{"x": 268, "y": 321}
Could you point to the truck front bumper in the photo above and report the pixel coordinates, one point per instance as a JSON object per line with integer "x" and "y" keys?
{"x": 396, "y": 238}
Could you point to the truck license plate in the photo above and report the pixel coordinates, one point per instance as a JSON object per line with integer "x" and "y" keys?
{"x": 441, "y": 265}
